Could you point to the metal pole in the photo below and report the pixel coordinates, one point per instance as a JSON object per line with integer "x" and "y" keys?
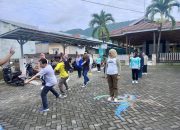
{"x": 22, "y": 53}
{"x": 22, "y": 42}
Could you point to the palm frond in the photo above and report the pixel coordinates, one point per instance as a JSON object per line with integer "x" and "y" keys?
{"x": 93, "y": 22}
{"x": 173, "y": 22}
{"x": 107, "y": 19}
{"x": 100, "y": 20}
{"x": 107, "y": 33}
{"x": 153, "y": 13}
{"x": 94, "y": 31}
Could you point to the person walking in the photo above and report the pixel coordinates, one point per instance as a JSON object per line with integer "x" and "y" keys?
{"x": 49, "y": 81}
{"x": 90, "y": 62}
{"x": 104, "y": 60}
{"x": 85, "y": 66}
{"x": 63, "y": 74}
{"x": 113, "y": 68}
{"x": 135, "y": 66}
{"x": 140, "y": 71}
{"x": 145, "y": 63}
{"x": 79, "y": 61}
{"x": 98, "y": 62}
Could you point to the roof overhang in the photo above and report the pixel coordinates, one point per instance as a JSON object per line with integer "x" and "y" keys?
{"x": 140, "y": 36}
{"x": 146, "y": 30}
{"x": 48, "y": 36}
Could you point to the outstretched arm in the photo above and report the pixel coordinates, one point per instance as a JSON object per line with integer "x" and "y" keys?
{"x": 26, "y": 82}
{"x": 5, "y": 59}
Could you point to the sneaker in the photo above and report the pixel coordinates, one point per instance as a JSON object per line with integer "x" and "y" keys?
{"x": 58, "y": 97}
{"x": 136, "y": 81}
{"x": 133, "y": 82}
{"x": 88, "y": 82}
{"x": 83, "y": 86}
{"x": 43, "y": 110}
{"x": 116, "y": 100}
{"x": 64, "y": 96}
{"x": 109, "y": 99}
{"x": 68, "y": 89}
{"x": 68, "y": 80}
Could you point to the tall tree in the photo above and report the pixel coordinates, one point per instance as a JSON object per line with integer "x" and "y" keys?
{"x": 163, "y": 9}
{"x": 99, "y": 25}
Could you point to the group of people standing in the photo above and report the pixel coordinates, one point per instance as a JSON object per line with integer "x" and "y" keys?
{"x": 138, "y": 64}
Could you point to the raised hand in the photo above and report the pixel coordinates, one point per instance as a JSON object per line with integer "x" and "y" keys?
{"x": 12, "y": 51}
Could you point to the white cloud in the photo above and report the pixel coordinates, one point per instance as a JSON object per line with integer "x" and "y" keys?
{"x": 67, "y": 14}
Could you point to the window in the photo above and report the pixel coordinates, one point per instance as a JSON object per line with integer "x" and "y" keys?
{"x": 55, "y": 50}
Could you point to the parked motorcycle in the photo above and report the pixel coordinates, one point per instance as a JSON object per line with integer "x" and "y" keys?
{"x": 29, "y": 70}
{"x": 13, "y": 78}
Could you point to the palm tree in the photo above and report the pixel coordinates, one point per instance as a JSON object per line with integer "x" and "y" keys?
{"x": 99, "y": 25}
{"x": 163, "y": 9}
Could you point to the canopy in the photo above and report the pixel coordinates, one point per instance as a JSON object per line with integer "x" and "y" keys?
{"x": 22, "y": 35}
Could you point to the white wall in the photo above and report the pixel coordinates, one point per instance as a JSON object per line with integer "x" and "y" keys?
{"x": 68, "y": 49}
{"x": 53, "y": 46}
{"x": 42, "y": 48}
{"x": 5, "y": 44}
{"x": 74, "y": 49}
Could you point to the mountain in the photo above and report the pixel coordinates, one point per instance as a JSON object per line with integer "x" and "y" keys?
{"x": 88, "y": 31}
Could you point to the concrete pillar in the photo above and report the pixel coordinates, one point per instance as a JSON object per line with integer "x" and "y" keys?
{"x": 153, "y": 59}
{"x": 22, "y": 63}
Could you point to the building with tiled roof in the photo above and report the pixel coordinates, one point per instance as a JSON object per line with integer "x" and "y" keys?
{"x": 143, "y": 35}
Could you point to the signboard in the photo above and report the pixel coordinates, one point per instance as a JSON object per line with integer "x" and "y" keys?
{"x": 104, "y": 46}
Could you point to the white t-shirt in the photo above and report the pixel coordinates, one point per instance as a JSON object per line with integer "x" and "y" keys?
{"x": 91, "y": 60}
{"x": 112, "y": 67}
{"x": 49, "y": 75}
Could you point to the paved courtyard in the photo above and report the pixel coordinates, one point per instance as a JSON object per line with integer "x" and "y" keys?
{"x": 157, "y": 107}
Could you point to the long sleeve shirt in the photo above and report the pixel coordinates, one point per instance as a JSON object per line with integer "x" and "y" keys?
{"x": 135, "y": 62}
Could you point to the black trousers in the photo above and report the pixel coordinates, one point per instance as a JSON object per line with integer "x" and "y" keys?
{"x": 99, "y": 67}
{"x": 44, "y": 92}
{"x": 79, "y": 70}
{"x": 135, "y": 74}
{"x": 145, "y": 69}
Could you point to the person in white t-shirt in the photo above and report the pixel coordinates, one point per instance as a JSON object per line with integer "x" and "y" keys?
{"x": 91, "y": 62}
{"x": 49, "y": 81}
{"x": 113, "y": 68}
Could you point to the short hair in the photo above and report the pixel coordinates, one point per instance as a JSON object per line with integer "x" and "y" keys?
{"x": 43, "y": 61}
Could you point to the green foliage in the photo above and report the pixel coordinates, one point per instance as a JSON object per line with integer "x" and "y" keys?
{"x": 163, "y": 9}
{"x": 98, "y": 23}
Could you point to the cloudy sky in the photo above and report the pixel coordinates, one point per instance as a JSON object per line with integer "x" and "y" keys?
{"x": 69, "y": 14}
